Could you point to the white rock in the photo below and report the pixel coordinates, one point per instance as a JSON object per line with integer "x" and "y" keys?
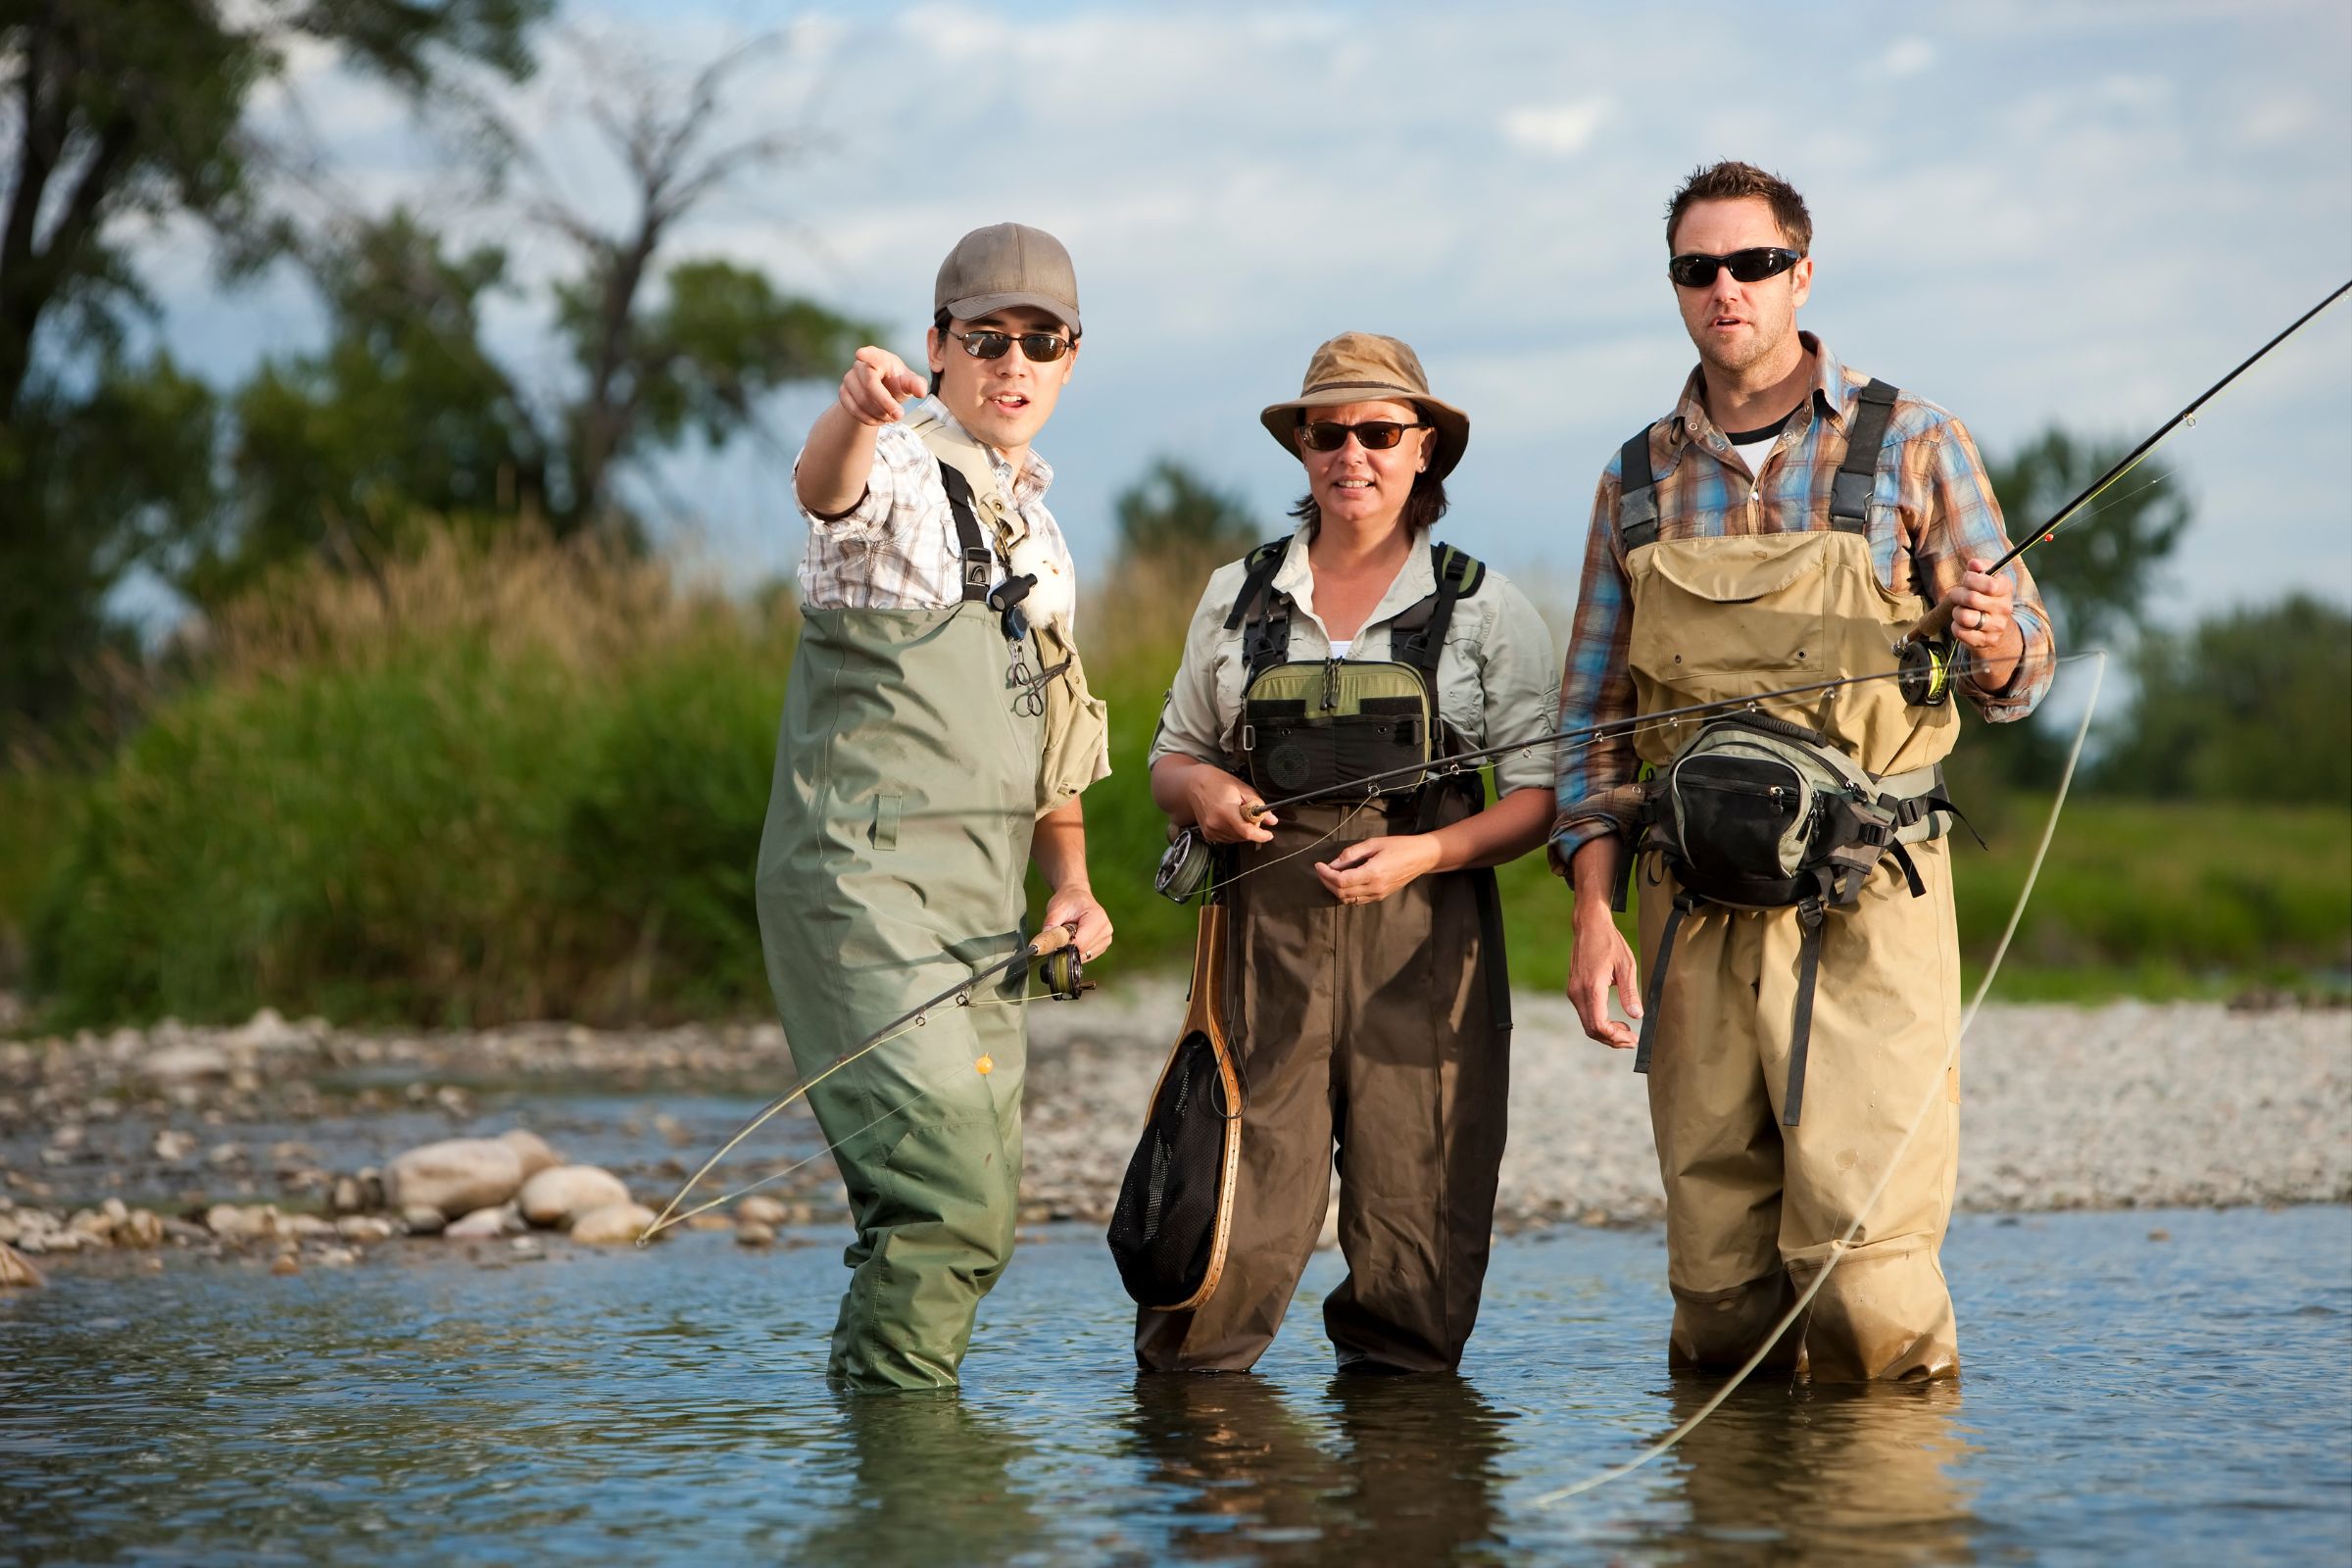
{"x": 172, "y": 1064}
{"x": 562, "y": 1194}
{"x": 485, "y": 1224}
{"x": 456, "y": 1176}
{"x": 752, "y": 1233}
{"x": 15, "y": 1271}
{"x": 760, "y": 1209}
{"x": 304, "y": 1227}
{"x": 536, "y": 1155}
{"x": 239, "y": 1221}
{"x": 613, "y": 1224}
{"x": 424, "y": 1221}
{"x": 364, "y": 1228}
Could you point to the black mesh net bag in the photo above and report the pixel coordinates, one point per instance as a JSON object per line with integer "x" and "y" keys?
{"x": 1167, "y": 1233}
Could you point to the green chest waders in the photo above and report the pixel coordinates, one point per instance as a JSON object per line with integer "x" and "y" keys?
{"x": 892, "y": 861}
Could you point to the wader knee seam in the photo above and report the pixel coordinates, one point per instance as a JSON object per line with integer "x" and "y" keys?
{"x": 1812, "y": 1259}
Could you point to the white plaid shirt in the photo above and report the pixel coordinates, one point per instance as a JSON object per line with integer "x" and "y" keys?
{"x": 896, "y": 549}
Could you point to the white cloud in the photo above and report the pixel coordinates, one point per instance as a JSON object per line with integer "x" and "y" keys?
{"x": 1558, "y": 131}
{"x": 1904, "y": 58}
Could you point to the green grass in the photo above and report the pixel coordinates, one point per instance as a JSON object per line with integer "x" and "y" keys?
{"x": 533, "y": 791}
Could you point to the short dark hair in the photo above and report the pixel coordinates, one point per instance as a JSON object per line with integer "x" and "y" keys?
{"x": 1424, "y": 504}
{"x": 1731, "y": 182}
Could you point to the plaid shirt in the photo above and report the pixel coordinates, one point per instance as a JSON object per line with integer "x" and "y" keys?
{"x": 1933, "y": 509}
{"x": 896, "y": 549}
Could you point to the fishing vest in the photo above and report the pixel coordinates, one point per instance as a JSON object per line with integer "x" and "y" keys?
{"x": 1791, "y": 803}
{"x": 1076, "y": 743}
{"x": 1319, "y": 727}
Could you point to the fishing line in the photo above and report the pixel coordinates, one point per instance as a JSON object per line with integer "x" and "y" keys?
{"x": 833, "y": 1146}
{"x": 1936, "y": 1090}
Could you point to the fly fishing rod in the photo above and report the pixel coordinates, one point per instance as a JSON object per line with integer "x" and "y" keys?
{"x": 1054, "y": 951}
{"x": 1918, "y": 644}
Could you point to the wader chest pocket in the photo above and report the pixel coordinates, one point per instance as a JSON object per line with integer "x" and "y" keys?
{"x": 1318, "y": 728}
{"x": 1775, "y": 585}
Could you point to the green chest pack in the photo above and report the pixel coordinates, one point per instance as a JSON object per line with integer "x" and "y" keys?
{"x": 1319, "y": 726}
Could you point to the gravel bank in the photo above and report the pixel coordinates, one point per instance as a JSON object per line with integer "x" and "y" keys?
{"x": 136, "y": 1138}
{"x": 2127, "y": 1106}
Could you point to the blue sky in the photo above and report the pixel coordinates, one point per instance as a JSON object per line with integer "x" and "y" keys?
{"x": 2028, "y": 212}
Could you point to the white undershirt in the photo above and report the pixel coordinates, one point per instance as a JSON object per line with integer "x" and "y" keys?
{"x": 1754, "y": 453}
{"x": 1339, "y": 647}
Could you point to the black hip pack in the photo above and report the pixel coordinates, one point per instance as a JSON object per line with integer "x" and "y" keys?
{"x": 1762, "y": 814}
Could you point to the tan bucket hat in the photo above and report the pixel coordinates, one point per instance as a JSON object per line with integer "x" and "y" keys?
{"x": 1366, "y": 368}
{"x": 1006, "y": 264}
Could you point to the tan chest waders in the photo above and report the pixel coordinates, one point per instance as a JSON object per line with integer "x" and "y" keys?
{"x": 1382, "y": 1028}
{"x": 1794, "y": 808}
{"x": 1797, "y": 929}
{"x": 906, "y": 783}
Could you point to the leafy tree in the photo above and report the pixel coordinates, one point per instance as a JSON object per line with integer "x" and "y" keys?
{"x": 2255, "y": 704}
{"x": 116, "y": 115}
{"x": 2096, "y": 571}
{"x": 1173, "y": 516}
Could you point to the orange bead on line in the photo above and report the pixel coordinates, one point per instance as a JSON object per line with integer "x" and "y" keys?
{"x": 986, "y": 1065}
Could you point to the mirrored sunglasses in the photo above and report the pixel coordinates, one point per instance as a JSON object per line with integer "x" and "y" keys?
{"x": 986, "y": 343}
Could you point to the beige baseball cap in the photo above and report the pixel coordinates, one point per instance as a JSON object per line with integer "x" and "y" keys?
{"x": 1366, "y": 368}
{"x": 1008, "y": 263}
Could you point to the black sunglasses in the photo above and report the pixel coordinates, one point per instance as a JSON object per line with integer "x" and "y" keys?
{"x": 986, "y": 343}
{"x": 1696, "y": 270}
{"x": 1373, "y": 435}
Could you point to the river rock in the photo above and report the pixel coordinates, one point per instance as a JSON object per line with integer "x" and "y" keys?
{"x": 760, "y": 1209}
{"x": 424, "y": 1221}
{"x": 142, "y": 1227}
{"x": 285, "y": 1264}
{"x": 456, "y": 1176}
{"x": 562, "y": 1194}
{"x": 612, "y": 1224}
{"x": 177, "y": 1063}
{"x": 16, "y": 1271}
{"x": 364, "y": 1228}
{"x": 237, "y": 1222}
{"x": 709, "y": 1222}
{"x": 752, "y": 1233}
{"x": 304, "y": 1227}
{"x": 486, "y": 1224}
{"x": 533, "y": 1148}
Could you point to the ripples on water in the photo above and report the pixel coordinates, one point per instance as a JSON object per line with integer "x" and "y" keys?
{"x": 2126, "y": 1399}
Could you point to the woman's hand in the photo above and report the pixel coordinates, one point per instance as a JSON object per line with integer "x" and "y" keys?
{"x": 1368, "y": 871}
{"x": 1222, "y": 807}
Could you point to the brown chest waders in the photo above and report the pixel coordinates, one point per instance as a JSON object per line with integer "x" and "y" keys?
{"x": 891, "y": 865}
{"x": 1798, "y": 930}
{"x": 1381, "y": 1029}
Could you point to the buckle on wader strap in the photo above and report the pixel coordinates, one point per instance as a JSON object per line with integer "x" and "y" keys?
{"x": 1810, "y": 917}
{"x": 978, "y": 560}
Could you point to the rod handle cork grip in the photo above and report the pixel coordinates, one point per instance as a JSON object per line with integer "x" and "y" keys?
{"x": 1931, "y": 626}
{"x": 1052, "y": 939}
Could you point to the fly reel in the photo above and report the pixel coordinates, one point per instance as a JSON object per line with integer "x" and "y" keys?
{"x": 1063, "y": 974}
{"x": 1184, "y": 870}
{"x": 1925, "y": 675}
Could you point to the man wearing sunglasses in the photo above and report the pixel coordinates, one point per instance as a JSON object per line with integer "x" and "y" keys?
{"x": 1785, "y": 526}
{"x": 937, "y": 732}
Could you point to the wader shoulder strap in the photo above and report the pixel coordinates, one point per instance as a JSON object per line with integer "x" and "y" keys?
{"x": 1268, "y": 640}
{"x": 1636, "y": 492}
{"x": 1858, "y": 474}
{"x": 979, "y": 561}
{"x": 1426, "y": 623}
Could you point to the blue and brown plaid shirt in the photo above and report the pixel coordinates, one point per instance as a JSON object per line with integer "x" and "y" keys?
{"x": 1932, "y": 511}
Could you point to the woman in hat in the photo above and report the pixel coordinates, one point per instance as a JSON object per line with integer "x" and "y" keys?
{"x": 1366, "y": 997}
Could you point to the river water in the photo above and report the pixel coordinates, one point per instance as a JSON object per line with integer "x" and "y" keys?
{"x": 2144, "y": 1387}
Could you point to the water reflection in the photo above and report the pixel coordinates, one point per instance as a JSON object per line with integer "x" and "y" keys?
{"x": 930, "y": 1481}
{"x": 1850, "y": 1474}
{"x": 1390, "y": 1469}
